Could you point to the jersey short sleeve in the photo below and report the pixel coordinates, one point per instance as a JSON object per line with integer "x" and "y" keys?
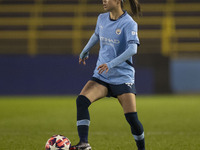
{"x": 131, "y": 33}
{"x": 97, "y": 26}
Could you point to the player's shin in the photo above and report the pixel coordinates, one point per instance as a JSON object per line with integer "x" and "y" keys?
{"x": 83, "y": 117}
{"x": 137, "y": 129}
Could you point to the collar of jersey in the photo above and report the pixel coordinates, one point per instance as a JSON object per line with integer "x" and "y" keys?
{"x": 125, "y": 12}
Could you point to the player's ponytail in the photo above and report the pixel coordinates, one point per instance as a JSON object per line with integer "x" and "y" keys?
{"x": 135, "y": 7}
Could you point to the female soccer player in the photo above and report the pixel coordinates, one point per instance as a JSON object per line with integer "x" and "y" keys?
{"x": 114, "y": 72}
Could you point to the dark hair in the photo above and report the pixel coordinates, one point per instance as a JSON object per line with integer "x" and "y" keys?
{"x": 135, "y": 7}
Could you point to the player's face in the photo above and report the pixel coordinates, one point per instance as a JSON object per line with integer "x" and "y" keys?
{"x": 109, "y": 5}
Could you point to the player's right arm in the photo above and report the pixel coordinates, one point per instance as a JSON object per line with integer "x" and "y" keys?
{"x": 85, "y": 52}
{"x": 93, "y": 40}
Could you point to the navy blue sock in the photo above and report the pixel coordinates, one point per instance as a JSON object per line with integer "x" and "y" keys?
{"x": 136, "y": 129}
{"x": 83, "y": 117}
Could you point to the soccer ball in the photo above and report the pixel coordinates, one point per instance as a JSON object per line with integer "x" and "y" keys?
{"x": 58, "y": 142}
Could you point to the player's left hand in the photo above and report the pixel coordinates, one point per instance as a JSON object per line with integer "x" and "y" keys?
{"x": 103, "y": 68}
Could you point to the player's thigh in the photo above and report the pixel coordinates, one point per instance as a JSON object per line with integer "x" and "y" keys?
{"x": 94, "y": 91}
{"x": 128, "y": 102}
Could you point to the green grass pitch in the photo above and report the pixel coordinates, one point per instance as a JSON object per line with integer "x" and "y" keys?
{"x": 171, "y": 122}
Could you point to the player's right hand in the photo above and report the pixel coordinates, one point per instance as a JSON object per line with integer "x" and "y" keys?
{"x": 83, "y": 60}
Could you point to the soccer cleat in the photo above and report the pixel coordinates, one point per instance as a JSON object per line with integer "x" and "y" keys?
{"x": 81, "y": 146}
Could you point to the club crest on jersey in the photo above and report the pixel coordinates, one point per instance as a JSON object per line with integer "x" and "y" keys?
{"x": 118, "y": 31}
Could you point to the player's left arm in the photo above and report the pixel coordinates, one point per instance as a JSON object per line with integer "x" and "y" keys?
{"x": 128, "y": 53}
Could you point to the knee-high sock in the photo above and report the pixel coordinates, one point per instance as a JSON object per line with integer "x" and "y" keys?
{"x": 136, "y": 129}
{"x": 83, "y": 117}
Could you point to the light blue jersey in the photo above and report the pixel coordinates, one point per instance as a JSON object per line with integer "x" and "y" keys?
{"x": 115, "y": 37}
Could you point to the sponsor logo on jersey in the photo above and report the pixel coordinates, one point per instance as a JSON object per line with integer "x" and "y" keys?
{"x": 114, "y": 41}
{"x": 134, "y": 33}
{"x": 118, "y": 31}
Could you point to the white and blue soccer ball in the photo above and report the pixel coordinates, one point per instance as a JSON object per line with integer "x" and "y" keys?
{"x": 58, "y": 142}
